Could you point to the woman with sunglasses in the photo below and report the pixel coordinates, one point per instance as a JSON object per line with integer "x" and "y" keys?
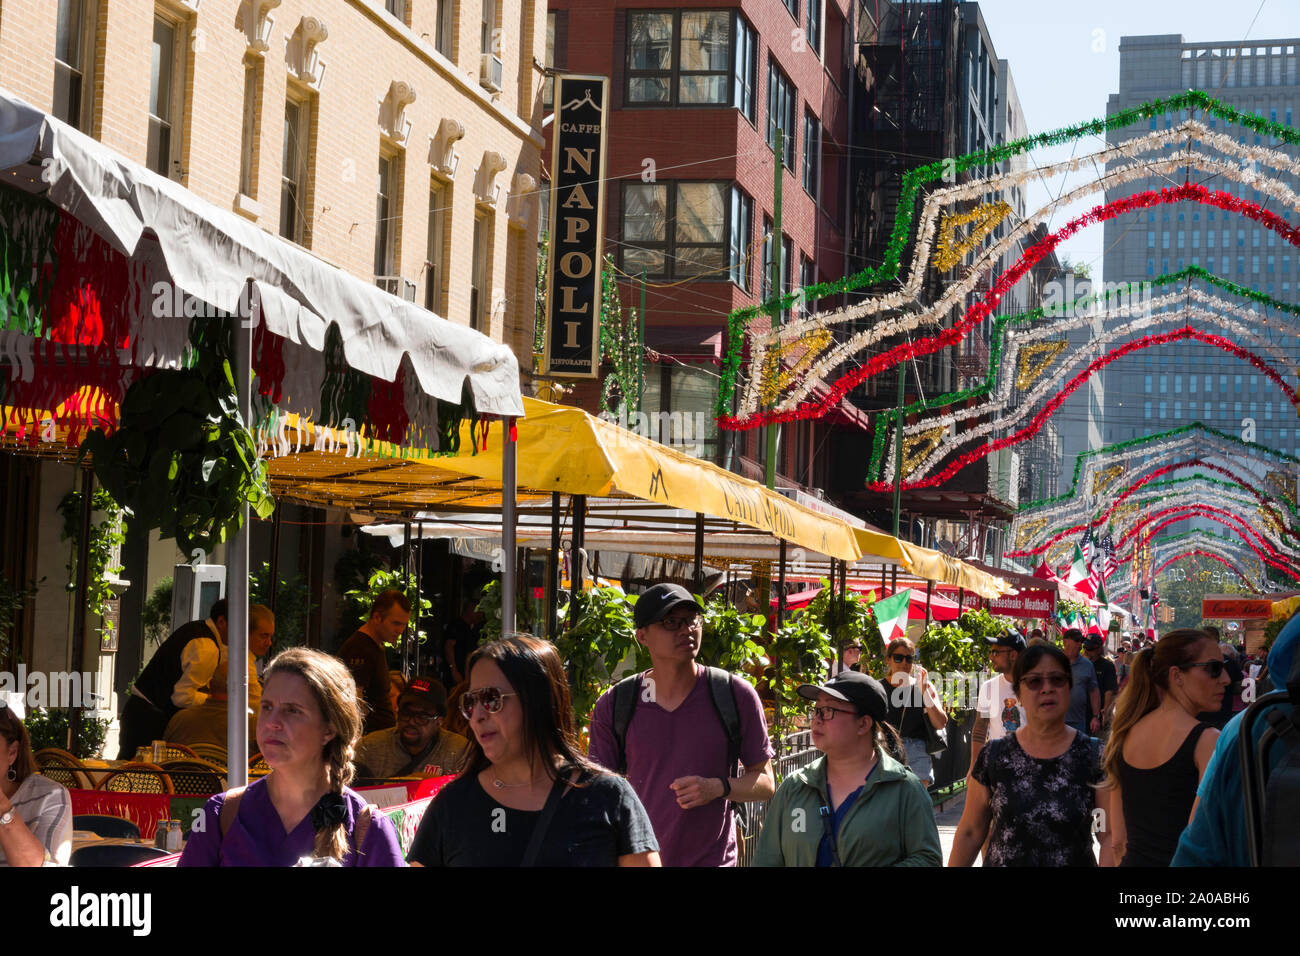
{"x": 913, "y": 703}
{"x": 1158, "y": 748}
{"x": 527, "y": 796}
{"x": 858, "y": 804}
{"x": 1037, "y": 788}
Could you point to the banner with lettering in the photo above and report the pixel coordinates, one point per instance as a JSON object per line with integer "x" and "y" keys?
{"x": 576, "y": 227}
{"x": 1029, "y": 603}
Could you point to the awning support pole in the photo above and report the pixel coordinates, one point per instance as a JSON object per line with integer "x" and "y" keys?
{"x": 929, "y": 593}
{"x": 79, "y": 616}
{"x": 553, "y": 568}
{"x": 413, "y": 625}
{"x": 961, "y": 599}
{"x": 274, "y": 574}
{"x": 699, "y": 552}
{"x": 576, "y": 569}
{"x": 780, "y": 587}
{"x": 419, "y": 590}
{"x": 237, "y": 572}
{"x": 509, "y": 516}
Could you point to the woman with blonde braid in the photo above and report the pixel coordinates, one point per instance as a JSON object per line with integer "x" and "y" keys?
{"x": 303, "y": 810}
{"x": 1158, "y": 749}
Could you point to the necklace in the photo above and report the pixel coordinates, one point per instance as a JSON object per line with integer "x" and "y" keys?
{"x": 502, "y": 785}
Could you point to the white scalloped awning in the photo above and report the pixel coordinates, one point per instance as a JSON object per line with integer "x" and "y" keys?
{"x": 211, "y": 253}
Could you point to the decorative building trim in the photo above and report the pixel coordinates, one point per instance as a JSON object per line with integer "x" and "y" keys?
{"x": 486, "y": 188}
{"x": 442, "y": 148}
{"x": 301, "y": 56}
{"x": 392, "y": 112}
{"x": 519, "y": 206}
{"x": 257, "y": 25}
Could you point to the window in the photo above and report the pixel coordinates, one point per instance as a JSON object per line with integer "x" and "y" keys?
{"x": 807, "y": 277}
{"x": 1146, "y": 383}
{"x": 488, "y": 28}
{"x": 1236, "y": 384}
{"x": 548, "y": 86}
{"x": 812, "y": 151}
{"x": 480, "y": 274}
{"x": 386, "y": 206}
{"x": 293, "y": 176}
{"x": 397, "y": 8}
{"x": 688, "y": 58}
{"x": 813, "y": 25}
{"x": 166, "y": 96}
{"x": 739, "y": 229}
{"x": 74, "y": 50}
{"x": 787, "y": 251}
{"x": 1151, "y": 239}
{"x": 681, "y": 229}
{"x": 248, "y": 153}
{"x": 793, "y": 7}
{"x": 444, "y": 32}
{"x": 439, "y": 217}
{"x": 780, "y": 110}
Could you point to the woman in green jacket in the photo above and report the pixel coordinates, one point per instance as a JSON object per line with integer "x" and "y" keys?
{"x": 859, "y": 804}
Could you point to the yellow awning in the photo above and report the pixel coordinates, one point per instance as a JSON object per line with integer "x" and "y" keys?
{"x": 1285, "y": 608}
{"x": 930, "y": 565}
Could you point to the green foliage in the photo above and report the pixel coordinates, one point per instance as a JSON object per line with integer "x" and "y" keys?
{"x": 12, "y": 600}
{"x": 105, "y": 535}
{"x": 181, "y": 459}
{"x": 357, "y": 601}
{"x": 48, "y": 727}
{"x": 157, "y": 614}
{"x": 848, "y": 618}
{"x": 292, "y": 606}
{"x": 800, "y": 653}
{"x": 731, "y": 637}
{"x": 490, "y": 606}
{"x": 539, "y": 302}
{"x": 620, "y": 345}
{"x": 1273, "y": 628}
{"x": 1067, "y": 609}
{"x": 1185, "y": 582}
{"x": 601, "y": 637}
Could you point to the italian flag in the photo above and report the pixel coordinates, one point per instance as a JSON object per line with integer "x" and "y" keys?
{"x": 1077, "y": 576}
{"x": 891, "y": 615}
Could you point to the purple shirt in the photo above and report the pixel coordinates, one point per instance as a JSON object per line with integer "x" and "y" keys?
{"x": 256, "y": 836}
{"x": 689, "y": 741}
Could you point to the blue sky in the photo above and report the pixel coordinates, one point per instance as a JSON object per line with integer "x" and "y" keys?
{"x": 1064, "y": 60}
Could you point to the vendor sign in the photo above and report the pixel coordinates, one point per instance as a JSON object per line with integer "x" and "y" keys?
{"x": 1236, "y": 607}
{"x": 1036, "y": 604}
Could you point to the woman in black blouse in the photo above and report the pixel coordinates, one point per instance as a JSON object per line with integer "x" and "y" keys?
{"x": 913, "y": 702}
{"x": 527, "y": 795}
{"x": 1037, "y": 788}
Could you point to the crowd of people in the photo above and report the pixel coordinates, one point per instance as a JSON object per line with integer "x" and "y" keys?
{"x": 1075, "y": 760}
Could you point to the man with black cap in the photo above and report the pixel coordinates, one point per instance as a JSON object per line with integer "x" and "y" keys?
{"x": 418, "y": 745}
{"x": 998, "y": 711}
{"x": 1094, "y": 648}
{"x": 681, "y": 732}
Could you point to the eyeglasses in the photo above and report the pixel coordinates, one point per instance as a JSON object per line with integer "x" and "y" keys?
{"x": 902, "y": 658}
{"x": 491, "y": 698}
{"x": 418, "y": 717}
{"x": 678, "y": 623}
{"x": 1035, "y": 681}
{"x": 1213, "y": 668}
{"x": 827, "y": 714}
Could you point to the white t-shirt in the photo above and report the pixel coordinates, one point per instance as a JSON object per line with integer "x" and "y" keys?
{"x": 998, "y": 702}
{"x": 46, "y": 808}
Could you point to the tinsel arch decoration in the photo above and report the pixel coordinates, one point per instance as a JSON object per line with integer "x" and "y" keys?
{"x": 1198, "y": 553}
{"x": 1137, "y": 158}
{"x": 1148, "y": 534}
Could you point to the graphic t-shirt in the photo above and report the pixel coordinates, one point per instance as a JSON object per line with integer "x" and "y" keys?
{"x": 998, "y": 702}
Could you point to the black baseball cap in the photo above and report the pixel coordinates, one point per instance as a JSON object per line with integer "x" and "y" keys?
{"x": 655, "y": 604}
{"x": 427, "y": 691}
{"x": 863, "y": 691}
{"x": 1012, "y": 639}
{"x": 1092, "y": 642}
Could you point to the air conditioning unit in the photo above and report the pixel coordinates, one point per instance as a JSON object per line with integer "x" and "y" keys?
{"x": 396, "y": 285}
{"x": 490, "y": 72}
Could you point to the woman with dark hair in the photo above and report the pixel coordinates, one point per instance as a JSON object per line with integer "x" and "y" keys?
{"x": 527, "y": 795}
{"x": 873, "y": 809}
{"x": 302, "y": 812}
{"x": 1158, "y": 748}
{"x": 1036, "y": 788}
{"x": 913, "y": 704}
{"x": 35, "y": 811}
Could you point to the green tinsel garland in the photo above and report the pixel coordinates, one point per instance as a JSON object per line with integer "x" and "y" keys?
{"x": 27, "y": 229}
{"x": 738, "y": 320}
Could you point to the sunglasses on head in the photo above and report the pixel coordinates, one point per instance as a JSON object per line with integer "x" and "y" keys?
{"x": 1213, "y": 668}
{"x": 491, "y": 698}
{"x": 1035, "y": 681}
{"x": 902, "y": 658}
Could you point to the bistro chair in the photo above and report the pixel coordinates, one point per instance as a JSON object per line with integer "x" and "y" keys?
{"x": 211, "y": 753}
{"x": 62, "y": 767}
{"x": 178, "y": 752}
{"x": 257, "y": 765}
{"x": 106, "y": 826}
{"x": 115, "y": 854}
{"x": 195, "y": 778}
{"x": 138, "y": 778}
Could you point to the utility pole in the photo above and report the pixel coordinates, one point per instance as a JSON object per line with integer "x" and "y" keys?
{"x": 778, "y": 154}
{"x": 898, "y": 447}
{"x": 640, "y": 350}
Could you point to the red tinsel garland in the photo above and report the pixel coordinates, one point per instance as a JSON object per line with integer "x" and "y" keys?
{"x": 1046, "y": 412}
{"x": 386, "y": 410}
{"x": 981, "y": 310}
{"x": 1208, "y": 511}
{"x": 1205, "y": 554}
{"x": 1187, "y": 517}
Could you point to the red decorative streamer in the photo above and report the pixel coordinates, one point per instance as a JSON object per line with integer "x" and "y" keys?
{"x": 1205, "y": 554}
{"x": 1186, "y": 517}
{"x": 981, "y": 310}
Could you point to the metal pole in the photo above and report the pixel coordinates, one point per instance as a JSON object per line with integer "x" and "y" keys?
{"x": 237, "y": 575}
{"x": 929, "y": 593}
{"x": 509, "y": 515}
{"x": 274, "y": 574}
{"x": 413, "y": 625}
{"x": 640, "y": 351}
{"x": 576, "y": 562}
{"x": 79, "y": 613}
{"x": 699, "y": 552}
{"x": 553, "y": 568}
{"x": 898, "y": 447}
{"x": 961, "y": 599}
{"x": 780, "y": 587}
{"x": 778, "y": 154}
{"x": 419, "y": 591}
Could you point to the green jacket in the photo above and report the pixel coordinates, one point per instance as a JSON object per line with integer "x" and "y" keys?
{"x": 890, "y": 824}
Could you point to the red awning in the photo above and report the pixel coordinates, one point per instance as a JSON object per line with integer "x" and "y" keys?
{"x": 941, "y": 609}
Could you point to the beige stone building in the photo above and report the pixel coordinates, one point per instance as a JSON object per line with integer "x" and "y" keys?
{"x": 397, "y": 139}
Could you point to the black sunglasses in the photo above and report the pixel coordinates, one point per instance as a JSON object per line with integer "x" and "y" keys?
{"x": 902, "y": 658}
{"x": 1213, "y": 668}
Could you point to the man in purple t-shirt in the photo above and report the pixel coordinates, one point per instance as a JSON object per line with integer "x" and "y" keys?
{"x": 676, "y": 744}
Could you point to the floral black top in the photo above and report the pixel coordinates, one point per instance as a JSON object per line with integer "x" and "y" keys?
{"x": 1042, "y": 809}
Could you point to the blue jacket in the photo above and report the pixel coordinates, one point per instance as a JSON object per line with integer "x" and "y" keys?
{"x": 1217, "y": 834}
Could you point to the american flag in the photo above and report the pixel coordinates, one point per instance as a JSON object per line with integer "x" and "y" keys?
{"x": 1108, "y": 549}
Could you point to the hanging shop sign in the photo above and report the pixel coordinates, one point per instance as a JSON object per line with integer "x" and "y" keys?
{"x": 1222, "y": 606}
{"x": 577, "y": 217}
{"x": 1039, "y": 604}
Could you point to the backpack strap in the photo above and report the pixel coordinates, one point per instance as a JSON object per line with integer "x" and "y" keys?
{"x": 230, "y": 808}
{"x": 724, "y": 702}
{"x": 626, "y": 694}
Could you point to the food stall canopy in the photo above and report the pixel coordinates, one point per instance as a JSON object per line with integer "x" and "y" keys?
{"x": 931, "y": 565}
{"x": 941, "y": 609}
{"x": 214, "y": 254}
